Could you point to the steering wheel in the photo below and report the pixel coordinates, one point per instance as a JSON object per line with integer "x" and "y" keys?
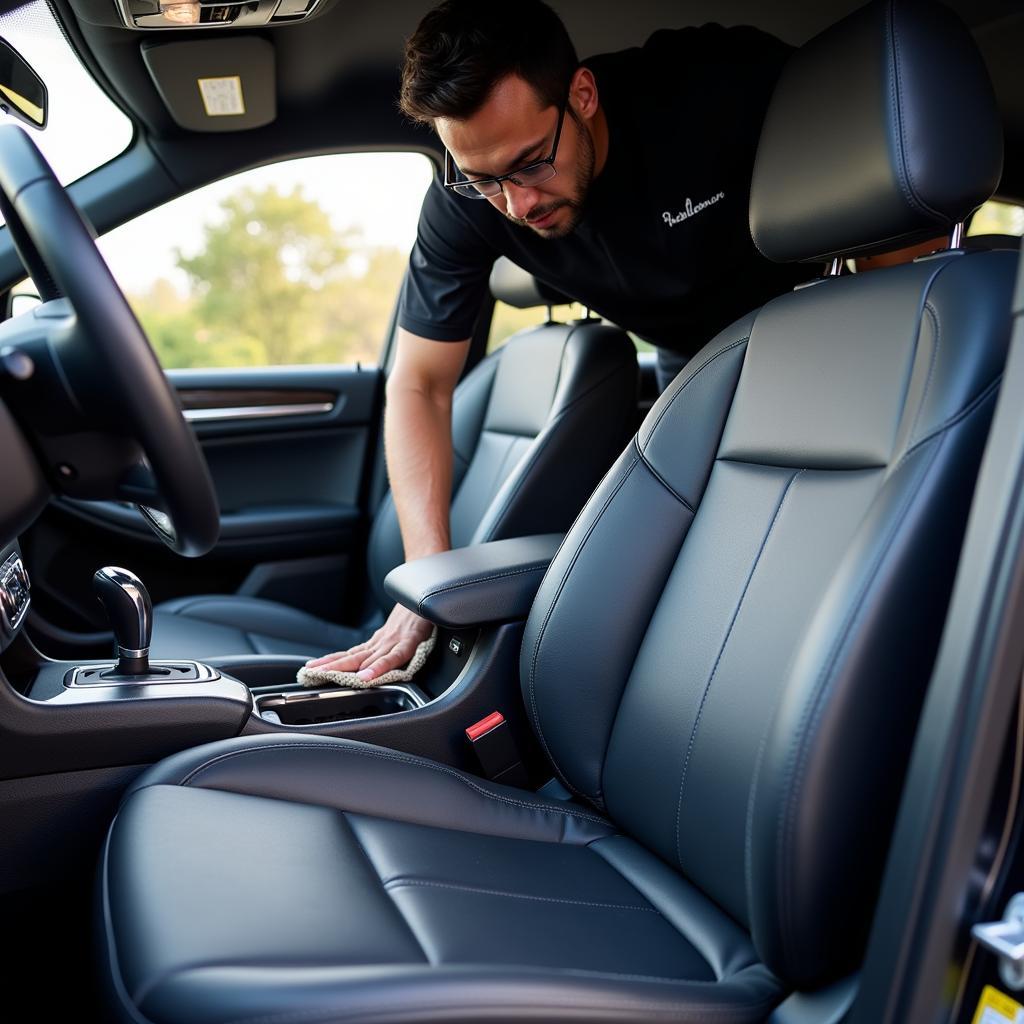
{"x": 102, "y": 417}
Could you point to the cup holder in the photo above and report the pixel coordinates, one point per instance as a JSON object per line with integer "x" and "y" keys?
{"x": 313, "y": 707}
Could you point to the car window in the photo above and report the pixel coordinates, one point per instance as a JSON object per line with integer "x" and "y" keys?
{"x": 997, "y": 217}
{"x": 294, "y": 263}
{"x": 507, "y": 320}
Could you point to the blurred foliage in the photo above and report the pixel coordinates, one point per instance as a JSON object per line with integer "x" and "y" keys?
{"x": 273, "y": 284}
{"x": 995, "y": 218}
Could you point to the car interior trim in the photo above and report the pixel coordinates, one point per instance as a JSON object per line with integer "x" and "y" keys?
{"x": 256, "y": 412}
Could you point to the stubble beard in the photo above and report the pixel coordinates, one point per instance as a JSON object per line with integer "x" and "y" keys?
{"x": 577, "y": 204}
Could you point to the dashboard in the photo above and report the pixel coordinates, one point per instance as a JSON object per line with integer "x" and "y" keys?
{"x": 14, "y": 593}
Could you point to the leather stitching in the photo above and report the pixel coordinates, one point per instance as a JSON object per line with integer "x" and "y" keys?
{"x": 929, "y": 309}
{"x": 748, "y": 825}
{"x": 952, "y": 421}
{"x": 941, "y": 266}
{"x": 682, "y": 387}
{"x": 426, "y": 883}
{"x": 708, "y": 1011}
{"x": 793, "y": 772}
{"x": 547, "y": 618}
{"x": 668, "y": 487}
{"x": 540, "y": 567}
{"x": 500, "y": 474}
{"x": 383, "y": 755}
{"x": 721, "y": 650}
{"x": 907, "y": 186}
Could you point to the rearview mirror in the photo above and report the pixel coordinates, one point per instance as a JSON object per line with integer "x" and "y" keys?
{"x": 22, "y": 92}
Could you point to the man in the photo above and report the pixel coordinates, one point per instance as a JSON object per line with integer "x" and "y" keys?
{"x": 623, "y": 181}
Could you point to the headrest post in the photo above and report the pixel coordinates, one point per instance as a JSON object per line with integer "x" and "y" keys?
{"x": 835, "y": 268}
{"x": 956, "y": 236}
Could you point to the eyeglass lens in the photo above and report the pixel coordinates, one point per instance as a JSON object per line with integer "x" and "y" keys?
{"x": 528, "y": 177}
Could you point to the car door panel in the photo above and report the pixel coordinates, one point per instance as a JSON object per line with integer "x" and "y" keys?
{"x": 288, "y": 449}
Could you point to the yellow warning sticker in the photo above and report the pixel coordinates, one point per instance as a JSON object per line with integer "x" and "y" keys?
{"x": 995, "y": 1007}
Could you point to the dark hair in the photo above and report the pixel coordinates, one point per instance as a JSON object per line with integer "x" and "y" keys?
{"x": 462, "y": 48}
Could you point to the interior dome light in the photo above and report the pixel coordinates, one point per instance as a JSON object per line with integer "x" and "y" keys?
{"x": 181, "y": 14}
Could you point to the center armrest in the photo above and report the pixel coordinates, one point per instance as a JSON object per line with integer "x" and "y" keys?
{"x": 482, "y": 583}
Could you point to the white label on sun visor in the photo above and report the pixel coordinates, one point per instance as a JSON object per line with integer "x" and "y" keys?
{"x": 222, "y": 97}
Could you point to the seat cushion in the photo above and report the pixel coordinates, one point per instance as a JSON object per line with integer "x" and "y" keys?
{"x": 216, "y": 625}
{"x": 269, "y": 875}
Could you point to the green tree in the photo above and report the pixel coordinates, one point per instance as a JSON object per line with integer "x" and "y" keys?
{"x": 172, "y": 328}
{"x": 273, "y": 283}
{"x": 261, "y": 276}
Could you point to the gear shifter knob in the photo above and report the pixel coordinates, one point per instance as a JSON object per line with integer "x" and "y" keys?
{"x": 127, "y": 604}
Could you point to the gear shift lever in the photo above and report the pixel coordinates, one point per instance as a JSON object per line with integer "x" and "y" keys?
{"x": 127, "y": 604}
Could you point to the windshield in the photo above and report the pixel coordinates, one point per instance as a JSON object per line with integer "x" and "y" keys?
{"x": 84, "y": 128}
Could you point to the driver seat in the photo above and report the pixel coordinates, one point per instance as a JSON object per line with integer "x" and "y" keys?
{"x": 724, "y": 663}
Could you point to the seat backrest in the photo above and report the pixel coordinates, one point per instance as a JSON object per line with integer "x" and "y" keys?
{"x": 534, "y": 427}
{"x": 729, "y": 652}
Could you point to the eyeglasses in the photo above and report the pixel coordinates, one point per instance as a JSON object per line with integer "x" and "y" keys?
{"x": 525, "y": 177}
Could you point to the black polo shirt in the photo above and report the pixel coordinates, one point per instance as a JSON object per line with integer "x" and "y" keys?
{"x": 664, "y": 246}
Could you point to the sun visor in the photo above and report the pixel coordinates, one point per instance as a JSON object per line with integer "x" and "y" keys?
{"x": 215, "y": 85}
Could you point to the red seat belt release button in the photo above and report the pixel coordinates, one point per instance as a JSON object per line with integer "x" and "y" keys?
{"x": 495, "y": 749}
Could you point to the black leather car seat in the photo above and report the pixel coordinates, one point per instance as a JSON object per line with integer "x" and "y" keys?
{"x": 534, "y": 427}
{"x": 724, "y": 663}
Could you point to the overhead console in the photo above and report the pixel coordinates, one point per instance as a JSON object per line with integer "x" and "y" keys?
{"x": 215, "y": 85}
{"x": 146, "y": 15}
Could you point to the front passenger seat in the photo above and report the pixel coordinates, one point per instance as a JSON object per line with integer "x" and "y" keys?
{"x": 534, "y": 427}
{"x": 724, "y": 663}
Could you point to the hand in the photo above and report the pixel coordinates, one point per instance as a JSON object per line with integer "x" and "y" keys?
{"x": 392, "y": 646}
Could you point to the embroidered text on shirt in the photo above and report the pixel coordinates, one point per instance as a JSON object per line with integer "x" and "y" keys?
{"x": 690, "y": 209}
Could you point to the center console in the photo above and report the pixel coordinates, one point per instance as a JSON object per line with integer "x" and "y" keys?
{"x": 76, "y": 733}
{"x": 478, "y": 597}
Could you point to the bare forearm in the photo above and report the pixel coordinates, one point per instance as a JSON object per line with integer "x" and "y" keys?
{"x": 418, "y": 446}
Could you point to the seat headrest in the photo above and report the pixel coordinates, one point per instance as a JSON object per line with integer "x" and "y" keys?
{"x": 515, "y": 286}
{"x": 884, "y": 128}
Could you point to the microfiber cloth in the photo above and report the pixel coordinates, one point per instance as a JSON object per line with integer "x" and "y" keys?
{"x": 312, "y": 677}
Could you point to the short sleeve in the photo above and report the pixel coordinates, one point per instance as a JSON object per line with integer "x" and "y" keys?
{"x": 449, "y": 266}
{"x": 734, "y": 70}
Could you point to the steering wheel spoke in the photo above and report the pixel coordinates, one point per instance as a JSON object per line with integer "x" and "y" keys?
{"x": 138, "y": 486}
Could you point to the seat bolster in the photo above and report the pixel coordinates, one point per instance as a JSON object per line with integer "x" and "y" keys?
{"x": 966, "y": 302}
{"x": 719, "y": 940}
{"x": 352, "y": 776}
{"x": 695, "y": 406}
{"x": 816, "y": 853}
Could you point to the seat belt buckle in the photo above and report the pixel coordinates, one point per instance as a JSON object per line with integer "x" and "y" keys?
{"x": 495, "y": 749}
